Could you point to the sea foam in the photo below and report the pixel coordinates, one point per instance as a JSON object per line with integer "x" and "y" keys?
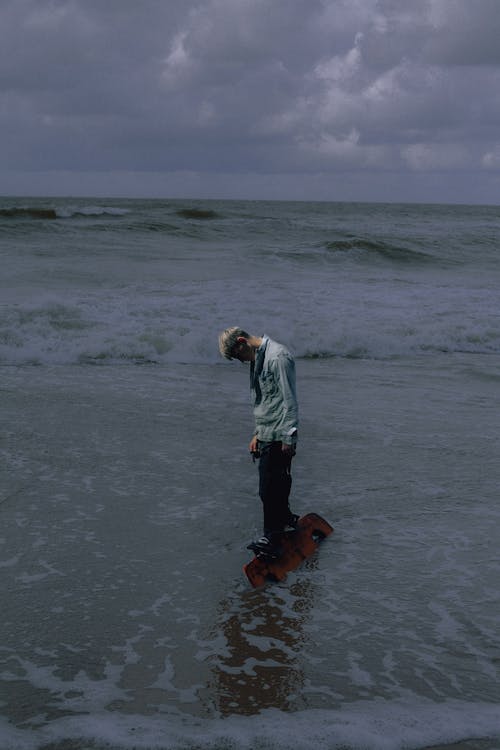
{"x": 364, "y": 726}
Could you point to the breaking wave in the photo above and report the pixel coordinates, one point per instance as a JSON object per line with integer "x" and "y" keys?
{"x": 385, "y": 250}
{"x": 108, "y": 329}
{"x": 197, "y": 213}
{"x": 62, "y": 212}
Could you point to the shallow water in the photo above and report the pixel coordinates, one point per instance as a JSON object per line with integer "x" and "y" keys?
{"x": 128, "y": 618}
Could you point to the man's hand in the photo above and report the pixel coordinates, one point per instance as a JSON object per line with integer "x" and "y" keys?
{"x": 288, "y": 450}
{"x": 254, "y": 445}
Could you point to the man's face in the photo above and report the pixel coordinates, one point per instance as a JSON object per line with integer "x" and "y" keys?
{"x": 243, "y": 351}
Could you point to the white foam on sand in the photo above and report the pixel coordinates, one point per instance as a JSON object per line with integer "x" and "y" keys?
{"x": 375, "y": 726}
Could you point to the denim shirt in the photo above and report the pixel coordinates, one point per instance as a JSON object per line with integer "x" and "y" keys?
{"x": 272, "y": 380}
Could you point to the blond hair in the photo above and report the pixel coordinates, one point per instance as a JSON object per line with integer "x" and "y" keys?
{"x": 228, "y": 340}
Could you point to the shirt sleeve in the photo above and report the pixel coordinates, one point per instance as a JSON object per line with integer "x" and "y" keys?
{"x": 285, "y": 374}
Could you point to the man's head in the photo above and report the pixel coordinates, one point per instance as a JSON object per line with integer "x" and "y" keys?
{"x": 235, "y": 343}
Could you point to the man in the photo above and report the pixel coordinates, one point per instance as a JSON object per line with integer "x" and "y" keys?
{"x": 272, "y": 381}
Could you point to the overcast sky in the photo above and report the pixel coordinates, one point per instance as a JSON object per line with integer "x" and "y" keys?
{"x": 287, "y": 99}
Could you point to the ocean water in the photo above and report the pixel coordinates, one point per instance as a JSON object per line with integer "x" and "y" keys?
{"x": 127, "y": 496}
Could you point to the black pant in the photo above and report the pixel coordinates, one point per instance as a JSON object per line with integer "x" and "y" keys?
{"x": 275, "y": 482}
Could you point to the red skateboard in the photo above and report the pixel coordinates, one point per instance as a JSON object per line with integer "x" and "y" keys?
{"x": 296, "y": 546}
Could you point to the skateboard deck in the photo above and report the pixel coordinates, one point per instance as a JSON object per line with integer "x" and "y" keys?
{"x": 296, "y": 546}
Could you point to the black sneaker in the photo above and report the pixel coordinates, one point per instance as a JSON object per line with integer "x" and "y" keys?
{"x": 292, "y": 522}
{"x": 264, "y": 547}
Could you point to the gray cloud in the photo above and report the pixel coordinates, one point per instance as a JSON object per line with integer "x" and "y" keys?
{"x": 251, "y": 91}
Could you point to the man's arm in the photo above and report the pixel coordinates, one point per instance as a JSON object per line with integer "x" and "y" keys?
{"x": 286, "y": 379}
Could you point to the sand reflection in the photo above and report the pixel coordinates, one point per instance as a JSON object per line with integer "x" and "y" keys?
{"x": 260, "y": 665}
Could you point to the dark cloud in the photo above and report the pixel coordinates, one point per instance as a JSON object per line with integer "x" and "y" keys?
{"x": 249, "y": 88}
